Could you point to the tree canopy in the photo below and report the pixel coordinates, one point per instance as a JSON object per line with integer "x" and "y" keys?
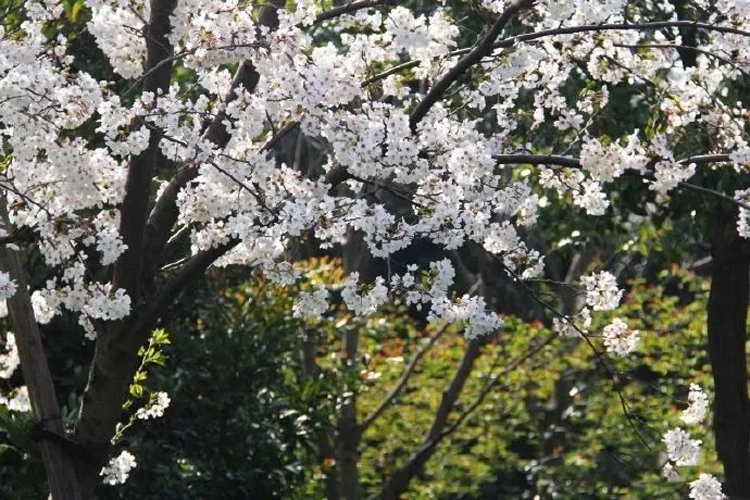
{"x": 497, "y": 167}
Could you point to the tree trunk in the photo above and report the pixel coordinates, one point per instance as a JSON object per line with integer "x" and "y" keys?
{"x": 727, "y": 335}
{"x": 61, "y": 475}
{"x": 324, "y": 447}
{"x": 348, "y": 435}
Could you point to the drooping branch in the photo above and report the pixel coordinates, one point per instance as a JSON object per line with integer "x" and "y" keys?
{"x": 600, "y": 359}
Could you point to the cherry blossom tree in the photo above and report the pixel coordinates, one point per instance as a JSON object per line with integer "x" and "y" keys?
{"x": 423, "y": 131}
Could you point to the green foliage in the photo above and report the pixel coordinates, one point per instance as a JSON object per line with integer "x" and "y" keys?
{"x": 241, "y": 416}
{"x": 556, "y": 426}
{"x": 21, "y": 465}
{"x": 248, "y": 414}
{"x": 152, "y": 354}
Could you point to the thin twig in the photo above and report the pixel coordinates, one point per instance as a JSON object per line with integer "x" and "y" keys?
{"x": 405, "y": 376}
{"x": 565, "y": 161}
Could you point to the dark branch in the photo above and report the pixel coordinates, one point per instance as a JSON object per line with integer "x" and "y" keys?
{"x": 127, "y": 274}
{"x": 480, "y": 50}
{"x": 190, "y": 270}
{"x": 164, "y": 214}
{"x": 348, "y": 9}
{"x": 568, "y": 30}
{"x": 400, "y": 479}
{"x": 565, "y": 161}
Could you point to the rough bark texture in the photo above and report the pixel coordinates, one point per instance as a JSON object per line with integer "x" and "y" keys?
{"x": 61, "y": 475}
{"x": 727, "y": 336}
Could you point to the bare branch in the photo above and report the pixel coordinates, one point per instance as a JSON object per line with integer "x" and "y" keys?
{"x": 405, "y": 376}
{"x": 399, "y": 480}
{"x": 597, "y": 354}
{"x": 495, "y": 382}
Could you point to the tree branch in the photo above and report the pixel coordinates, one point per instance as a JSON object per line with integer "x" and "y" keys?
{"x": 405, "y": 376}
{"x": 497, "y": 378}
{"x": 349, "y": 8}
{"x": 399, "y": 481}
{"x": 164, "y": 214}
{"x": 134, "y": 209}
{"x": 566, "y": 161}
{"x": 568, "y": 30}
{"x": 684, "y": 48}
{"x": 195, "y": 266}
{"x": 480, "y": 50}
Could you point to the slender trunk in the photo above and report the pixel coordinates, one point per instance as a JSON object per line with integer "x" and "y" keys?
{"x": 399, "y": 481}
{"x": 357, "y": 258}
{"x": 727, "y": 335}
{"x": 61, "y": 475}
{"x": 324, "y": 447}
{"x": 348, "y": 435}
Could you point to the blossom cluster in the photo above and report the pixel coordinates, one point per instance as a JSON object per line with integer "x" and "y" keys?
{"x": 456, "y": 193}
{"x": 9, "y": 360}
{"x": 158, "y": 402}
{"x": 683, "y": 450}
{"x": 118, "y": 469}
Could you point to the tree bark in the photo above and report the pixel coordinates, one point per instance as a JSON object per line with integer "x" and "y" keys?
{"x": 115, "y": 353}
{"x": 727, "y": 336}
{"x": 61, "y": 475}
